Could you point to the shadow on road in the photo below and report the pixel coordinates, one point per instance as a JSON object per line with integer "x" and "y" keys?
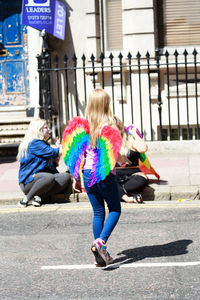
{"x": 136, "y": 254}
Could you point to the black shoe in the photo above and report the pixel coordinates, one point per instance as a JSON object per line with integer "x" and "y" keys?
{"x": 137, "y": 198}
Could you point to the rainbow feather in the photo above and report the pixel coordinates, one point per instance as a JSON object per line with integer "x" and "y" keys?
{"x": 76, "y": 141}
{"x": 144, "y": 163}
{"x": 108, "y": 148}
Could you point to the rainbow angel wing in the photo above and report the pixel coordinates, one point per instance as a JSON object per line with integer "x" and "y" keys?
{"x": 108, "y": 147}
{"x": 75, "y": 141}
{"x": 144, "y": 163}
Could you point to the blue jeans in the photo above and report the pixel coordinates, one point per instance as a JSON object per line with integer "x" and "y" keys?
{"x": 107, "y": 190}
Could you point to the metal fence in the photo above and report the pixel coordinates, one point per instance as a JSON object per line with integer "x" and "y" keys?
{"x": 160, "y": 92}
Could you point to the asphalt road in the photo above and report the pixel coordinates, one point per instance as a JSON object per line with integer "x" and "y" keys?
{"x": 45, "y": 253}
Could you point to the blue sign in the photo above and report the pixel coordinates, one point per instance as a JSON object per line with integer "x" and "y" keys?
{"x": 45, "y": 14}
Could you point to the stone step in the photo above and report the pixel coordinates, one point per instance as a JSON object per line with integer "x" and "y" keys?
{"x": 14, "y": 125}
{"x": 11, "y": 139}
{"x": 12, "y": 132}
{"x": 12, "y": 136}
{"x": 16, "y": 119}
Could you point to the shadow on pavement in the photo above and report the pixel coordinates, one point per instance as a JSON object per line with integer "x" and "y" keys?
{"x": 158, "y": 182}
{"x": 6, "y": 160}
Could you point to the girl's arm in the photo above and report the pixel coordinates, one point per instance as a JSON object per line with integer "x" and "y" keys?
{"x": 136, "y": 143}
{"x": 77, "y": 185}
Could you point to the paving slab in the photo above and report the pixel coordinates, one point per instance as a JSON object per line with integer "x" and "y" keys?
{"x": 179, "y": 171}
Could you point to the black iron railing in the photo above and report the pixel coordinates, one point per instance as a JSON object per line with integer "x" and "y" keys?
{"x": 160, "y": 92}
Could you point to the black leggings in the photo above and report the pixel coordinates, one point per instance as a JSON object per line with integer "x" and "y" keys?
{"x": 135, "y": 183}
{"x": 46, "y": 184}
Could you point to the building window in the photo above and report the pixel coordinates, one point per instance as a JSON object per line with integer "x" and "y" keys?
{"x": 178, "y": 22}
{"x": 175, "y": 135}
{"x": 111, "y": 25}
{"x": 114, "y": 24}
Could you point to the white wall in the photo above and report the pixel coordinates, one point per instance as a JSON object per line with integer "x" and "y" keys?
{"x": 34, "y": 48}
{"x": 138, "y": 26}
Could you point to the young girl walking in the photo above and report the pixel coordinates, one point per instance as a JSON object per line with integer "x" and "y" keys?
{"x": 91, "y": 147}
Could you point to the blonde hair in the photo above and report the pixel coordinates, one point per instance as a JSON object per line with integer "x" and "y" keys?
{"x": 98, "y": 113}
{"x": 33, "y": 132}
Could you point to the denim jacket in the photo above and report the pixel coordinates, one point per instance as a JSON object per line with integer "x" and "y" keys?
{"x": 37, "y": 159}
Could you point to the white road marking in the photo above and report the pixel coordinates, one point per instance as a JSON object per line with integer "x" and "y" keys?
{"x": 68, "y": 267}
{"x": 118, "y": 265}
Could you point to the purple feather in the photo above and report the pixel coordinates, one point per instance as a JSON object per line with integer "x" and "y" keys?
{"x": 78, "y": 162}
{"x": 77, "y": 166}
{"x": 137, "y": 130}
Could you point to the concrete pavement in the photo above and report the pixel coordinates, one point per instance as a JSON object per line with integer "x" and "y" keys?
{"x": 178, "y": 164}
